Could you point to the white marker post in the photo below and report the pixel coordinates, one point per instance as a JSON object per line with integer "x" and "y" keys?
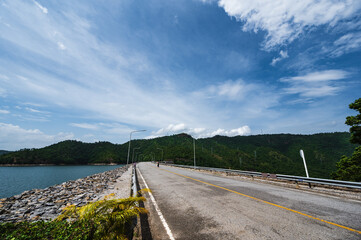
{"x": 304, "y": 161}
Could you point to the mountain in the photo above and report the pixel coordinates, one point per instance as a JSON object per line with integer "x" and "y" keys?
{"x": 4, "y": 152}
{"x": 276, "y": 153}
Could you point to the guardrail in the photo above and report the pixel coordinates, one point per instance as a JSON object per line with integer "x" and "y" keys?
{"x": 320, "y": 181}
{"x": 134, "y": 189}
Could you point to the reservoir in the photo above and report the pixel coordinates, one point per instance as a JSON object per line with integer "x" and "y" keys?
{"x": 15, "y": 180}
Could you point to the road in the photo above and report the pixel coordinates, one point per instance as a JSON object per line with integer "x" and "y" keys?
{"x": 196, "y": 205}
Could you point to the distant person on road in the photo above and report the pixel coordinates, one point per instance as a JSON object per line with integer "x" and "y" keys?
{"x": 157, "y": 164}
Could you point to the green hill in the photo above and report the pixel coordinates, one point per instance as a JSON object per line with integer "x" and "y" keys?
{"x": 4, "y": 152}
{"x": 276, "y": 153}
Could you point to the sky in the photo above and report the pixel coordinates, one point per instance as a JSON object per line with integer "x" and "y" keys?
{"x": 96, "y": 70}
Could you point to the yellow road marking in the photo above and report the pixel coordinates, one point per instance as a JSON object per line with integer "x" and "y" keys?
{"x": 273, "y": 204}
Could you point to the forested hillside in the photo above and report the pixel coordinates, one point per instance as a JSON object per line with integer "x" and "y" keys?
{"x": 3, "y": 152}
{"x": 278, "y": 153}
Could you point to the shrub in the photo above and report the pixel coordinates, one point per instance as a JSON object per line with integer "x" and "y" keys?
{"x": 105, "y": 219}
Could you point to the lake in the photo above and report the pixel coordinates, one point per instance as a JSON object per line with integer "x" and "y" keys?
{"x": 15, "y": 180}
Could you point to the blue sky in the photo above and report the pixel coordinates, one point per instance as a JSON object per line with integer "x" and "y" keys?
{"x": 96, "y": 70}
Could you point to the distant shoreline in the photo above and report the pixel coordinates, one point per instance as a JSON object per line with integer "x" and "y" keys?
{"x": 39, "y": 165}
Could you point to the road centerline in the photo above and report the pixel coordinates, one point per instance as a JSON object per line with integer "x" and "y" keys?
{"x": 266, "y": 202}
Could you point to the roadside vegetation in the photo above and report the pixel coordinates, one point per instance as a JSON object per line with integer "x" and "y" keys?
{"x": 272, "y": 153}
{"x": 349, "y": 168}
{"x": 105, "y": 219}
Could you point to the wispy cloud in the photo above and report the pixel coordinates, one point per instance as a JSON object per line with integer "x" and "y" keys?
{"x": 2, "y": 92}
{"x": 43, "y": 9}
{"x": 90, "y": 75}
{"x": 107, "y": 128}
{"x": 316, "y": 84}
{"x": 4, "y": 111}
{"x": 283, "y": 55}
{"x": 85, "y": 126}
{"x": 34, "y": 110}
{"x": 229, "y": 90}
{"x": 285, "y": 20}
{"x": 61, "y": 46}
{"x": 347, "y": 43}
{"x": 13, "y": 137}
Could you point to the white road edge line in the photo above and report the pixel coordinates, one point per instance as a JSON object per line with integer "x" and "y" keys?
{"x": 164, "y": 222}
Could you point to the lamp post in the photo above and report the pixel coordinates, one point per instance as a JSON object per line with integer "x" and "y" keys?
{"x": 130, "y": 139}
{"x": 133, "y": 153}
{"x": 162, "y": 153}
{"x": 304, "y": 162}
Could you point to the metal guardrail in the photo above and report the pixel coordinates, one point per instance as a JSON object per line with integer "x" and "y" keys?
{"x": 320, "y": 181}
{"x": 134, "y": 182}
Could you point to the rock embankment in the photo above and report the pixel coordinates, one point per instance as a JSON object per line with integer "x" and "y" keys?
{"x": 46, "y": 204}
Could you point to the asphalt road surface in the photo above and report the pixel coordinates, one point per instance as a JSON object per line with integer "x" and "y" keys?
{"x": 188, "y": 204}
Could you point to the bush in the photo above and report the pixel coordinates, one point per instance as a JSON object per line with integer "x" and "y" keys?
{"x": 45, "y": 230}
{"x": 104, "y": 219}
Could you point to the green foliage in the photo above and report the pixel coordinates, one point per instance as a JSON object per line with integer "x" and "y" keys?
{"x": 355, "y": 122}
{"x": 104, "y": 219}
{"x": 277, "y": 153}
{"x": 45, "y": 230}
{"x": 4, "y": 152}
{"x": 108, "y": 218}
{"x": 349, "y": 168}
{"x": 69, "y": 152}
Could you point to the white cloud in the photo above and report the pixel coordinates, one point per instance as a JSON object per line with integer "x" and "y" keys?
{"x": 103, "y": 80}
{"x": 172, "y": 128}
{"x": 315, "y": 84}
{"x": 61, "y": 46}
{"x": 229, "y": 90}
{"x": 199, "y": 132}
{"x": 43, "y": 9}
{"x": 283, "y": 55}
{"x": 33, "y": 110}
{"x": 2, "y": 92}
{"x": 85, "y": 126}
{"x": 108, "y": 128}
{"x": 345, "y": 44}
{"x": 4, "y": 111}
{"x": 247, "y": 100}
{"x": 13, "y": 137}
{"x": 244, "y": 130}
{"x": 320, "y": 76}
{"x": 285, "y": 20}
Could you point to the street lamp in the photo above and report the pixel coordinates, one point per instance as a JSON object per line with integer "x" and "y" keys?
{"x": 304, "y": 162}
{"x": 130, "y": 139}
{"x": 133, "y": 153}
{"x": 162, "y": 152}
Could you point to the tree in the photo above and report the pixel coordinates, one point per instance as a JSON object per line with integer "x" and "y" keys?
{"x": 355, "y": 122}
{"x": 349, "y": 168}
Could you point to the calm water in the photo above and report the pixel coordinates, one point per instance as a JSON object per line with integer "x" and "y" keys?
{"x": 15, "y": 180}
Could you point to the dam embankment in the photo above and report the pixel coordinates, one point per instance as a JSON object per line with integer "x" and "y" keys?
{"x": 46, "y": 204}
